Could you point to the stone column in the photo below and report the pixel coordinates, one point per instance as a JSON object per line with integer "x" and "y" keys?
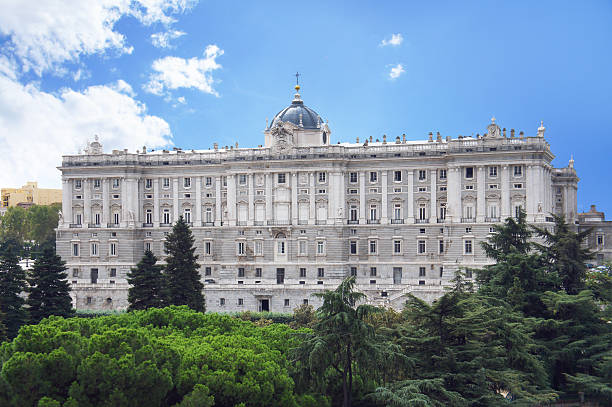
{"x": 269, "y": 212}
{"x": 231, "y": 199}
{"x": 530, "y": 191}
{"x": 124, "y": 203}
{"x": 198, "y": 203}
{"x": 312, "y": 217}
{"x": 294, "y": 194}
{"x": 86, "y": 202}
{"x": 67, "y": 202}
{"x": 385, "y": 186}
{"x": 453, "y": 205}
{"x": 218, "y": 215}
{"x": 505, "y": 192}
{"x": 433, "y": 211}
{"x": 105, "y": 202}
{"x": 175, "y": 199}
{"x": 156, "y": 207}
{"x": 251, "y": 181}
{"x": 480, "y": 193}
{"x": 410, "y": 199}
{"x": 362, "y": 198}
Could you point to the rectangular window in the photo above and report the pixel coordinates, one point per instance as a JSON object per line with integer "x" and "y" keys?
{"x": 94, "y": 249}
{"x": 373, "y": 212}
{"x": 492, "y": 172}
{"x": 397, "y": 211}
{"x": 113, "y": 249}
{"x": 353, "y": 246}
{"x": 518, "y": 170}
{"x": 517, "y": 210}
{"x": 320, "y": 247}
{"x": 422, "y": 189}
{"x": 75, "y": 249}
{"x": 354, "y": 271}
{"x": 208, "y": 248}
{"x": 96, "y": 183}
{"x": 442, "y": 174}
{"x": 286, "y": 302}
{"x": 322, "y": 177}
{"x": 208, "y": 271}
{"x": 305, "y": 301}
{"x": 397, "y": 246}
{"x": 302, "y": 247}
{"x": 148, "y": 183}
{"x": 469, "y": 172}
{"x": 147, "y": 246}
{"x": 258, "y": 248}
{"x": 208, "y": 181}
{"x": 240, "y": 271}
{"x": 240, "y": 249}
{"x": 77, "y": 184}
{"x": 280, "y": 247}
{"x": 280, "y": 276}
{"x": 353, "y": 177}
{"x": 372, "y": 271}
{"x": 75, "y": 272}
{"x": 302, "y": 272}
{"x": 281, "y": 178}
{"x": 421, "y": 247}
{"x": 469, "y": 187}
{"x": 240, "y": 301}
{"x": 441, "y": 246}
{"x": 187, "y": 215}
{"x": 468, "y": 247}
{"x": 468, "y": 230}
{"x": 397, "y": 176}
{"x": 242, "y": 179}
{"x": 222, "y": 301}
{"x": 372, "y": 245}
{"x": 518, "y": 186}
{"x": 373, "y": 176}
{"x": 187, "y": 182}
{"x": 421, "y": 271}
{"x": 422, "y": 175}
{"x": 113, "y": 272}
{"x": 258, "y": 272}
{"x": 422, "y": 212}
{"x": 600, "y": 240}
{"x": 320, "y": 272}
{"x": 167, "y": 216}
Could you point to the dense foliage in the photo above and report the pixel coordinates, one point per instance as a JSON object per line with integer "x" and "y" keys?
{"x": 36, "y": 224}
{"x": 148, "y": 288}
{"x": 12, "y": 284}
{"x": 160, "y": 357}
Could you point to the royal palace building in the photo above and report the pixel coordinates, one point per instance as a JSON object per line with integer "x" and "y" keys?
{"x": 275, "y": 224}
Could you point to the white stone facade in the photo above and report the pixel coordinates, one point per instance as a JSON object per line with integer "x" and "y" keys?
{"x": 275, "y": 224}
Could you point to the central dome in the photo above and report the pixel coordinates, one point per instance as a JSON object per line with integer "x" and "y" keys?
{"x": 298, "y": 114}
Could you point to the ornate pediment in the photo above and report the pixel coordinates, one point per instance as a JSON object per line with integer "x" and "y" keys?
{"x": 282, "y": 136}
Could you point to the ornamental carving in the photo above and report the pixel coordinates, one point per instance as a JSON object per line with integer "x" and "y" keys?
{"x": 282, "y": 134}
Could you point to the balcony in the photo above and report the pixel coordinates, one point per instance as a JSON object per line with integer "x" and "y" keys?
{"x": 278, "y": 222}
{"x": 94, "y": 225}
{"x": 302, "y": 222}
{"x": 165, "y": 225}
{"x": 397, "y": 221}
{"x": 259, "y": 223}
{"x": 208, "y": 223}
{"x": 441, "y": 220}
{"x": 241, "y": 223}
{"x": 147, "y": 225}
{"x": 76, "y": 225}
{"x": 321, "y": 222}
{"x": 373, "y": 221}
{"x": 112, "y": 225}
{"x": 468, "y": 220}
{"x": 352, "y": 222}
{"x": 493, "y": 220}
{"x": 421, "y": 221}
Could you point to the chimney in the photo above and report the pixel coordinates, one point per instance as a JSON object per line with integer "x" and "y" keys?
{"x": 512, "y": 133}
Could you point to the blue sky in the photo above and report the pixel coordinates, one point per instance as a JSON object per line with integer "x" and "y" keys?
{"x": 69, "y": 70}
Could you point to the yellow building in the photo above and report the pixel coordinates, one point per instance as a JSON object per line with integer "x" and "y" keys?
{"x": 29, "y": 194}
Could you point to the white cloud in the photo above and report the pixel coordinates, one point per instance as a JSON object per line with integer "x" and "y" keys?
{"x": 38, "y": 127}
{"x": 396, "y": 71}
{"x": 395, "y": 40}
{"x": 45, "y": 34}
{"x": 162, "y": 39}
{"x": 174, "y": 73}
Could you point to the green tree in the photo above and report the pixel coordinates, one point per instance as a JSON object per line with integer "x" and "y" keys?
{"x": 48, "y": 292}
{"x": 42, "y": 221}
{"x": 12, "y": 284}
{"x": 184, "y": 285}
{"x": 565, "y": 254}
{"x": 148, "y": 284}
{"x": 467, "y": 349}
{"x": 14, "y": 224}
{"x": 341, "y": 338}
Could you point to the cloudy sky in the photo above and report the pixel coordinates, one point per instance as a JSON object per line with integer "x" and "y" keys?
{"x": 189, "y": 73}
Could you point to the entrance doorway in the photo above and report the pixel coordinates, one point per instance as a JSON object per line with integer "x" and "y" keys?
{"x": 264, "y": 305}
{"x": 397, "y": 275}
{"x": 280, "y": 276}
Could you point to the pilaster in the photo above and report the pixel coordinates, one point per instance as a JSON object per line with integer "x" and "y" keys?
{"x": 410, "y": 199}
{"x": 385, "y": 186}
{"x": 480, "y": 193}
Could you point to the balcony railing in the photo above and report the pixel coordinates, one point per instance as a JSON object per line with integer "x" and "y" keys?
{"x": 147, "y": 225}
{"x": 441, "y": 220}
{"x": 421, "y": 221}
{"x": 278, "y": 222}
{"x": 241, "y": 223}
{"x": 76, "y": 225}
{"x": 373, "y": 221}
{"x": 397, "y": 221}
{"x": 321, "y": 222}
{"x": 208, "y": 223}
{"x": 259, "y": 223}
{"x": 468, "y": 220}
{"x": 94, "y": 225}
{"x": 352, "y": 222}
{"x": 302, "y": 222}
{"x": 112, "y": 225}
{"x": 491, "y": 219}
{"x": 165, "y": 224}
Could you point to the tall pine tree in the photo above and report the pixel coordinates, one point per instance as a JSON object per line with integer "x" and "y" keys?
{"x": 12, "y": 284}
{"x": 48, "y": 288}
{"x": 148, "y": 284}
{"x": 184, "y": 285}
